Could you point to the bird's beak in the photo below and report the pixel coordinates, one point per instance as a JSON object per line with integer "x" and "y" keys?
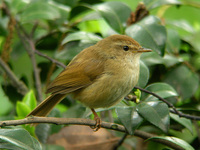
{"x": 141, "y": 50}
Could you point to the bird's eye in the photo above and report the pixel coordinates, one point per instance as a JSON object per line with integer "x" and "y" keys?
{"x": 126, "y": 48}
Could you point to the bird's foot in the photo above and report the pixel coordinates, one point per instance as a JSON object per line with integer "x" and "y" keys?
{"x": 97, "y": 126}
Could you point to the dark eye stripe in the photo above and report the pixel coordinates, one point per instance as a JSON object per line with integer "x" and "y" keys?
{"x": 126, "y": 48}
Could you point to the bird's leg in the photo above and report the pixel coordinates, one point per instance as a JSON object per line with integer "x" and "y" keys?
{"x": 98, "y": 121}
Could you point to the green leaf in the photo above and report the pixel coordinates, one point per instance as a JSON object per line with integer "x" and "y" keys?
{"x": 155, "y": 112}
{"x": 22, "y": 109}
{"x": 183, "y": 121}
{"x": 39, "y": 10}
{"x": 115, "y": 14}
{"x": 81, "y": 36}
{"x": 151, "y": 4}
{"x": 176, "y": 141}
{"x": 17, "y": 6}
{"x": 173, "y": 41}
{"x": 162, "y": 89}
{"x": 151, "y": 58}
{"x": 90, "y": 26}
{"x": 144, "y": 75}
{"x": 75, "y": 43}
{"x": 183, "y": 80}
{"x": 18, "y": 139}
{"x": 63, "y": 10}
{"x": 18, "y": 61}
{"x": 30, "y": 100}
{"x": 149, "y": 33}
{"x": 5, "y": 105}
{"x": 129, "y": 118}
{"x": 193, "y": 40}
{"x": 184, "y": 134}
{"x": 170, "y": 60}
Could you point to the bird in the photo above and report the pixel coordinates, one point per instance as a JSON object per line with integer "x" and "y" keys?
{"x": 99, "y": 76}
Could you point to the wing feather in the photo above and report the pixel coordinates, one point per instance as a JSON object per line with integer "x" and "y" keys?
{"x": 78, "y": 74}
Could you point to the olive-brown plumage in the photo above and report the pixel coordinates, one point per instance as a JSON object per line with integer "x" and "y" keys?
{"x": 99, "y": 76}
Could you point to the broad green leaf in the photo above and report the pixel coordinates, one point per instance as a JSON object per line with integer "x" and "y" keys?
{"x": 129, "y": 118}
{"x": 183, "y": 27}
{"x": 136, "y": 120}
{"x": 22, "y": 109}
{"x": 144, "y": 75}
{"x": 81, "y": 36}
{"x": 170, "y": 60}
{"x": 175, "y": 140}
{"x": 124, "y": 115}
{"x": 151, "y": 4}
{"x": 5, "y": 105}
{"x": 193, "y": 40}
{"x": 71, "y": 49}
{"x": 183, "y": 121}
{"x": 173, "y": 41}
{"x": 17, "y": 62}
{"x": 155, "y": 112}
{"x": 18, "y": 139}
{"x": 162, "y": 89}
{"x": 115, "y": 14}
{"x": 184, "y": 134}
{"x": 17, "y": 6}
{"x": 75, "y": 43}
{"x": 151, "y": 58}
{"x": 37, "y": 10}
{"x": 90, "y": 26}
{"x": 183, "y": 80}
{"x": 149, "y": 33}
{"x": 30, "y": 100}
{"x": 43, "y": 132}
{"x": 63, "y": 9}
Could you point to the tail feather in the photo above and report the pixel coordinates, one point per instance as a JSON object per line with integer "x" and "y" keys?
{"x": 45, "y": 107}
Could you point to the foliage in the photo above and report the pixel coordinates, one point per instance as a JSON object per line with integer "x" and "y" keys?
{"x": 61, "y": 29}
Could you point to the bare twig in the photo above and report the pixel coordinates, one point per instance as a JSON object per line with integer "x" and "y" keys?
{"x": 30, "y": 47}
{"x": 35, "y": 70}
{"x": 20, "y": 86}
{"x": 175, "y": 111}
{"x": 192, "y": 117}
{"x": 88, "y": 122}
{"x": 51, "y": 59}
{"x": 33, "y": 29}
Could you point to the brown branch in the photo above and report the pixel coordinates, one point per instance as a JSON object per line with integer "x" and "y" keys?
{"x": 36, "y": 70}
{"x": 51, "y": 59}
{"x": 175, "y": 111}
{"x": 30, "y": 48}
{"x": 87, "y": 122}
{"x": 20, "y": 86}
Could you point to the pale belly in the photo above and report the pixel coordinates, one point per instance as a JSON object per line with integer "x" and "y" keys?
{"x": 107, "y": 90}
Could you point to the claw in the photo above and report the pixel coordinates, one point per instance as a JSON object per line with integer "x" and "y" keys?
{"x": 97, "y": 126}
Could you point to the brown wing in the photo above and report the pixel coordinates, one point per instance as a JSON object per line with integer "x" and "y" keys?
{"x": 78, "y": 74}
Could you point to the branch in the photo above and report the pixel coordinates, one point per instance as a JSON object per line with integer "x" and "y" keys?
{"x": 87, "y": 122}
{"x": 30, "y": 48}
{"x": 175, "y": 111}
{"x": 20, "y": 86}
{"x": 51, "y": 59}
{"x": 35, "y": 70}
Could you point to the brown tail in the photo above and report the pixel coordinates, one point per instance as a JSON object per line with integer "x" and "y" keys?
{"x": 45, "y": 107}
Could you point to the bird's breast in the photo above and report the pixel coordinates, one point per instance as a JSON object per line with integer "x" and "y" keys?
{"x": 117, "y": 80}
